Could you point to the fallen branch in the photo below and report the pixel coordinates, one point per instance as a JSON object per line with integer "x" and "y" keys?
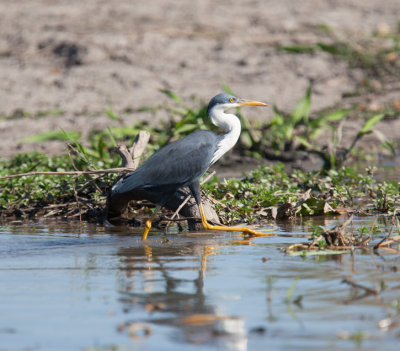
{"x": 131, "y": 157}
{"x": 77, "y": 173}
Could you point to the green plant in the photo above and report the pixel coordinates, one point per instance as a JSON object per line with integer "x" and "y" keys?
{"x": 286, "y": 134}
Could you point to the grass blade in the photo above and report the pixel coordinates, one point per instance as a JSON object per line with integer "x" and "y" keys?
{"x": 172, "y": 96}
{"x": 302, "y": 108}
{"x": 51, "y": 135}
{"x": 367, "y": 127}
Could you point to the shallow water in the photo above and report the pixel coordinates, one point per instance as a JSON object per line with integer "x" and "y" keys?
{"x": 67, "y": 287}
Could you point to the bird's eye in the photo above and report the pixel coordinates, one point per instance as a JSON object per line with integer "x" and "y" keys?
{"x": 231, "y": 100}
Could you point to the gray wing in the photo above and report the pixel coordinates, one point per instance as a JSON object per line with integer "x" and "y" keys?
{"x": 176, "y": 164}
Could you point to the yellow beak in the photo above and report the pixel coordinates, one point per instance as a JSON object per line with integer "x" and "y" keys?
{"x": 251, "y": 103}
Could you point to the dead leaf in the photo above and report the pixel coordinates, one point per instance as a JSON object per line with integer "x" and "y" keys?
{"x": 203, "y": 319}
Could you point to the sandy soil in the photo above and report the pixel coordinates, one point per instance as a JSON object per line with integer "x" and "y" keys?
{"x": 83, "y": 57}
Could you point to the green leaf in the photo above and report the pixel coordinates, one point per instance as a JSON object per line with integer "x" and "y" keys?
{"x": 332, "y": 117}
{"x": 297, "y": 49}
{"x": 278, "y": 118}
{"x": 71, "y": 137}
{"x": 51, "y": 135}
{"x": 227, "y": 89}
{"x": 147, "y": 109}
{"x": 110, "y": 113}
{"x": 387, "y": 144}
{"x": 332, "y": 49}
{"x": 366, "y": 128}
{"x": 172, "y": 96}
{"x": 101, "y": 146}
{"x": 186, "y": 128}
{"x": 324, "y": 28}
{"x": 332, "y": 160}
{"x": 317, "y": 252}
{"x": 114, "y": 143}
{"x": 291, "y": 289}
{"x": 122, "y": 132}
{"x": 303, "y": 141}
{"x": 246, "y": 138}
{"x": 302, "y": 108}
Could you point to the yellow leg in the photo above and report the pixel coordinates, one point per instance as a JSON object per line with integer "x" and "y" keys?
{"x": 147, "y": 225}
{"x": 245, "y": 230}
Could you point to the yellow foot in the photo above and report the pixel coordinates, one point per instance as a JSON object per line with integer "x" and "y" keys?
{"x": 147, "y": 227}
{"x": 244, "y": 230}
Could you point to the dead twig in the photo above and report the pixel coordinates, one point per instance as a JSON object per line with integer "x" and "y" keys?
{"x": 77, "y": 173}
{"x": 336, "y": 234}
{"x": 315, "y": 241}
{"x": 79, "y": 204}
{"x": 385, "y": 241}
{"x": 123, "y": 152}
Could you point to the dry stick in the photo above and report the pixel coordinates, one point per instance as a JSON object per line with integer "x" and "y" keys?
{"x": 79, "y": 204}
{"x": 51, "y": 213}
{"x": 78, "y": 173}
{"x": 138, "y": 147}
{"x": 315, "y": 241}
{"x": 130, "y": 158}
{"x": 70, "y": 157}
{"x": 215, "y": 202}
{"x": 388, "y": 242}
{"x": 123, "y": 152}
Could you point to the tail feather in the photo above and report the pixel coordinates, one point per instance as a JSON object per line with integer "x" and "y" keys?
{"x": 126, "y": 184}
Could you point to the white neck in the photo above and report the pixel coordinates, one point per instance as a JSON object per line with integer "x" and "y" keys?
{"x": 231, "y": 124}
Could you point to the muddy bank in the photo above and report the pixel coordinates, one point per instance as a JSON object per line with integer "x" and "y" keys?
{"x": 67, "y": 62}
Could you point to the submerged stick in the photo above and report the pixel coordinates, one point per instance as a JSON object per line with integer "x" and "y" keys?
{"x": 367, "y": 290}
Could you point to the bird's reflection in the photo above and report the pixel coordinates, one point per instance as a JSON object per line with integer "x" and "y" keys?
{"x": 167, "y": 281}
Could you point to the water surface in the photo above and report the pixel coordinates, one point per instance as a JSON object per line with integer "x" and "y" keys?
{"x": 70, "y": 287}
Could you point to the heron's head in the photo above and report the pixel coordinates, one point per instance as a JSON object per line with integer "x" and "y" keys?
{"x": 225, "y": 101}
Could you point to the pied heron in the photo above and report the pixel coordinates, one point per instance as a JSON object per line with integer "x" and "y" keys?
{"x": 182, "y": 162}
